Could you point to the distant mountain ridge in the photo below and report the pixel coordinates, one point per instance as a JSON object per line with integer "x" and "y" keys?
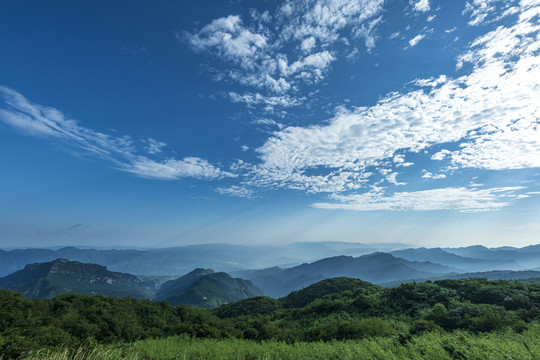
{"x": 461, "y": 263}
{"x": 375, "y": 268}
{"x": 181, "y": 260}
{"x": 177, "y": 261}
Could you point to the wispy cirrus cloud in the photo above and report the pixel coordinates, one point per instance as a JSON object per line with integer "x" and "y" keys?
{"x": 238, "y": 191}
{"x": 254, "y": 99}
{"x": 50, "y": 123}
{"x": 460, "y": 199}
{"x": 482, "y": 11}
{"x": 277, "y": 53}
{"x": 492, "y": 112}
{"x": 154, "y": 146}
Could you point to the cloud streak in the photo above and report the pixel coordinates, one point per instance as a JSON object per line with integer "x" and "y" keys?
{"x": 460, "y": 199}
{"x": 49, "y": 123}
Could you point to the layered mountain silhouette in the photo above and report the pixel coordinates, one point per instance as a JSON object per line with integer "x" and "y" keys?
{"x": 206, "y": 288}
{"x": 229, "y": 258}
{"x": 462, "y": 263}
{"x": 526, "y": 257}
{"x": 181, "y": 260}
{"x": 375, "y": 268}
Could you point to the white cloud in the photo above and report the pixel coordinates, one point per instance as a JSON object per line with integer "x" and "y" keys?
{"x": 325, "y": 20}
{"x": 171, "y": 169}
{"x": 415, "y": 40}
{"x": 47, "y": 122}
{"x": 367, "y": 32}
{"x": 420, "y": 5}
{"x": 460, "y": 199}
{"x": 230, "y": 39}
{"x": 237, "y": 191}
{"x": 257, "y": 55}
{"x": 392, "y": 179}
{"x": 493, "y": 112}
{"x": 154, "y": 146}
{"x": 308, "y": 44}
{"x": 480, "y": 10}
{"x": 427, "y": 175}
{"x": 431, "y": 82}
{"x": 267, "y": 122}
{"x": 440, "y": 155}
{"x": 253, "y": 99}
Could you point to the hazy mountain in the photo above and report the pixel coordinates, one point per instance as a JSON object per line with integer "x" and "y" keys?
{"x": 180, "y": 260}
{"x": 527, "y": 257}
{"x": 376, "y": 268}
{"x": 206, "y": 288}
{"x": 461, "y": 263}
{"x": 47, "y": 280}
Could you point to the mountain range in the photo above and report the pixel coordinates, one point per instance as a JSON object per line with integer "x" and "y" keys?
{"x": 178, "y": 261}
{"x": 376, "y": 268}
{"x": 168, "y": 273}
{"x": 181, "y": 260}
{"x": 201, "y": 287}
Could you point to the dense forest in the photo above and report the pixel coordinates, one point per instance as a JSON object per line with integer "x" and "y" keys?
{"x": 332, "y": 310}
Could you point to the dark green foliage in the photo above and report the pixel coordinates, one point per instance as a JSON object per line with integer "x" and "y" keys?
{"x": 260, "y": 305}
{"x": 334, "y": 309}
{"x": 301, "y": 298}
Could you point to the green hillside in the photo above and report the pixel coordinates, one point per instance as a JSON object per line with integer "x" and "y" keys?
{"x": 203, "y": 288}
{"x": 206, "y": 289}
{"x": 50, "y": 279}
{"x": 332, "y": 310}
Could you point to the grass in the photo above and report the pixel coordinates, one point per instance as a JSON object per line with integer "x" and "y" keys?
{"x": 434, "y": 345}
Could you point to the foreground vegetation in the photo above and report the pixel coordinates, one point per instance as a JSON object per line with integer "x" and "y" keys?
{"x": 336, "y": 318}
{"x": 432, "y": 345}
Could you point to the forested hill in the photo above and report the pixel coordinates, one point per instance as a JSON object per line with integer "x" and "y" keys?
{"x": 207, "y": 289}
{"x": 334, "y": 309}
{"x": 204, "y": 288}
{"x": 61, "y": 276}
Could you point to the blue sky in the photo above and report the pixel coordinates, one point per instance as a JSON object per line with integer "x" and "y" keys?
{"x": 256, "y": 122}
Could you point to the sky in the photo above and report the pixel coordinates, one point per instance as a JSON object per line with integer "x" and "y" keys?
{"x": 156, "y": 124}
